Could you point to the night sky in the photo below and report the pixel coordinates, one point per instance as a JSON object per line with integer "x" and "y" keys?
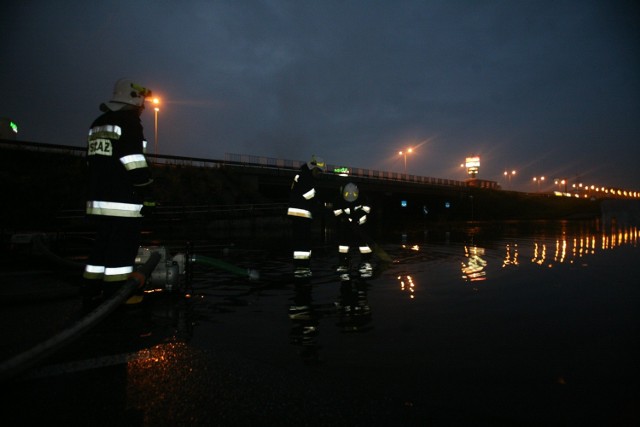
{"x": 546, "y": 88}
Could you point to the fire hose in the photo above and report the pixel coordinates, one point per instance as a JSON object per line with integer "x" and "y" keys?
{"x": 23, "y": 361}
{"x": 213, "y": 262}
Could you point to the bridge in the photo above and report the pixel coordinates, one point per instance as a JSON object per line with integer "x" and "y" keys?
{"x": 395, "y": 195}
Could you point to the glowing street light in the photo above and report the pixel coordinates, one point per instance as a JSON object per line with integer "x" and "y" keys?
{"x": 538, "y": 180}
{"x": 508, "y": 175}
{"x": 404, "y": 153}
{"x": 156, "y": 101}
{"x": 561, "y": 182}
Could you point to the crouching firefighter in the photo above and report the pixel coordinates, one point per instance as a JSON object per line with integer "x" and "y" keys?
{"x": 352, "y": 211}
{"x": 303, "y": 201}
{"x": 119, "y": 192}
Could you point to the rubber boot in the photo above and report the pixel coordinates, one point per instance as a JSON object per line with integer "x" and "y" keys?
{"x": 136, "y": 297}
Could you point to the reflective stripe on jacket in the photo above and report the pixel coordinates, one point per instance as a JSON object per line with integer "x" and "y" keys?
{"x": 302, "y": 195}
{"x": 127, "y": 210}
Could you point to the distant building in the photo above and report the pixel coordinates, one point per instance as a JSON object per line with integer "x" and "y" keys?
{"x": 8, "y": 128}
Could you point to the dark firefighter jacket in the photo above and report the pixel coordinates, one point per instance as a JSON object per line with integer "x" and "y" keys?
{"x": 119, "y": 175}
{"x": 352, "y": 212}
{"x": 302, "y": 201}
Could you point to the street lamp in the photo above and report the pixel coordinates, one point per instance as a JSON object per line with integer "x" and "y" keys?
{"x": 156, "y": 101}
{"x": 404, "y": 153}
{"x": 561, "y": 182}
{"x": 538, "y": 180}
{"x": 508, "y": 175}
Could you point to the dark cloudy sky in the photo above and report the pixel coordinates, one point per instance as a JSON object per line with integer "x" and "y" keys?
{"x": 548, "y": 88}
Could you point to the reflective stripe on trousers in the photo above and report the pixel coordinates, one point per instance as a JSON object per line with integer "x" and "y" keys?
{"x": 107, "y": 274}
{"x": 301, "y": 254}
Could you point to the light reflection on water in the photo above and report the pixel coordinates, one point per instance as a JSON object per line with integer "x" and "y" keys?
{"x": 485, "y": 307}
{"x": 440, "y": 257}
{"x": 488, "y": 323}
{"x": 563, "y": 246}
{"x": 478, "y": 250}
{"x": 547, "y": 246}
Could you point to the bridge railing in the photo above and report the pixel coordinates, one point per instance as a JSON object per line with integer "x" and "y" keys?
{"x": 238, "y": 160}
{"x": 270, "y": 162}
{"x": 285, "y": 164}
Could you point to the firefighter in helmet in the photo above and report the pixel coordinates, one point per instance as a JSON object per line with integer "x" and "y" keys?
{"x": 303, "y": 202}
{"x": 351, "y": 210}
{"x": 119, "y": 192}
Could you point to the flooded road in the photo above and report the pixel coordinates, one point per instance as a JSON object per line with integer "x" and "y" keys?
{"x": 487, "y": 324}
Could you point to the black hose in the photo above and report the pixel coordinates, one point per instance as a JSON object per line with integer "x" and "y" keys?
{"x": 54, "y": 258}
{"x": 20, "y": 363}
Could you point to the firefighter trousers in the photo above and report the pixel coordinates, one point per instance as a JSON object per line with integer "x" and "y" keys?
{"x": 113, "y": 254}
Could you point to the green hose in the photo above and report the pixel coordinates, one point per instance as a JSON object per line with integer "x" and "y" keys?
{"x": 223, "y": 265}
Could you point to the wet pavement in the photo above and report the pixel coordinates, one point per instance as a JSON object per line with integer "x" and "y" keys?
{"x": 489, "y": 325}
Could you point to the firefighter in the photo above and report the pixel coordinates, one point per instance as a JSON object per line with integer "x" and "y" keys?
{"x": 352, "y": 211}
{"x": 303, "y": 202}
{"x": 119, "y": 192}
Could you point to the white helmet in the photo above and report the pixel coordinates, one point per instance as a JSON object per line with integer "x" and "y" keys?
{"x": 316, "y": 162}
{"x": 350, "y": 192}
{"x": 125, "y": 92}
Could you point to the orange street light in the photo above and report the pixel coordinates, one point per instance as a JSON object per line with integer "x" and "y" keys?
{"x": 156, "y": 101}
{"x": 538, "y": 180}
{"x": 508, "y": 175}
{"x": 404, "y": 153}
{"x": 561, "y": 182}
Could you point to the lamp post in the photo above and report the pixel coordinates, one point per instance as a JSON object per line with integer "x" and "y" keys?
{"x": 508, "y": 175}
{"x": 404, "y": 153}
{"x": 156, "y": 101}
{"x": 538, "y": 180}
{"x": 562, "y": 182}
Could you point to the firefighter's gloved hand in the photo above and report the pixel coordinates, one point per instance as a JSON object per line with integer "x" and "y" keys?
{"x": 148, "y": 207}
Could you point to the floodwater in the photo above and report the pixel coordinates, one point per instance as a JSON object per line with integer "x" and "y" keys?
{"x": 486, "y": 324}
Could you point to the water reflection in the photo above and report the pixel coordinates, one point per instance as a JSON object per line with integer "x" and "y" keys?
{"x": 304, "y": 323}
{"x": 624, "y": 236}
{"x": 170, "y": 377}
{"x": 511, "y": 255}
{"x": 474, "y": 268}
{"x": 407, "y": 285}
{"x": 571, "y": 246}
{"x": 552, "y": 244}
{"x": 354, "y": 313}
{"x": 154, "y": 379}
{"x": 561, "y": 251}
{"x": 351, "y": 309}
{"x": 509, "y": 245}
{"x": 539, "y": 253}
